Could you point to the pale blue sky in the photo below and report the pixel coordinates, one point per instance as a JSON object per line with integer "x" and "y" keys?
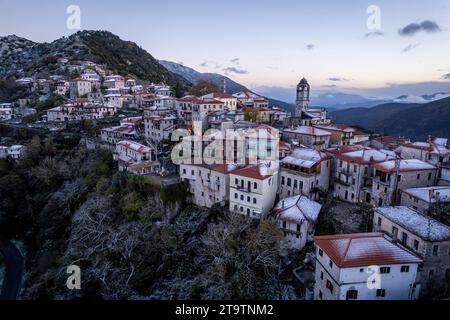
{"x": 269, "y": 37}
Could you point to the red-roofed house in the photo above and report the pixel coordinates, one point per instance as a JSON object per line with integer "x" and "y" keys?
{"x": 253, "y": 189}
{"x": 367, "y": 266}
{"x": 129, "y": 153}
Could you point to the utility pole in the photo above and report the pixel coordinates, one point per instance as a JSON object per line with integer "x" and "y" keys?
{"x": 397, "y": 173}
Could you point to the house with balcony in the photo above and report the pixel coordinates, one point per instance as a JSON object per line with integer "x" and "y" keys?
{"x": 353, "y": 172}
{"x": 304, "y": 172}
{"x": 253, "y": 189}
{"x": 310, "y": 137}
{"x": 427, "y": 238}
{"x": 129, "y": 153}
{"x": 341, "y": 134}
{"x": 209, "y": 184}
{"x": 390, "y": 177}
{"x": 159, "y": 128}
{"x": 424, "y": 199}
{"x": 297, "y": 217}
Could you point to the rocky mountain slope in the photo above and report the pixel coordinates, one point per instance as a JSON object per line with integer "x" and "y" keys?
{"x": 20, "y": 57}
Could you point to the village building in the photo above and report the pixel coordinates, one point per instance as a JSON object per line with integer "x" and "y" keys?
{"x": 388, "y": 142}
{"x": 426, "y": 237}
{"x": 14, "y": 152}
{"x": 229, "y": 102}
{"x": 304, "y": 172}
{"x": 346, "y": 266}
{"x": 353, "y": 173}
{"x": 128, "y": 153}
{"x": 116, "y": 134}
{"x": 392, "y": 176}
{"x": 79, "y": 88}
{"x": 308, "y": 136}
{"x": 297, "y": 217}
{"x": 209, "y": 184}
{"x": 114, "y": 81}
{"x": 159, "y": 128}
{"x": 253, "y": 189}
{"x": 341, "y": 135}
{"x": 249, "y": 99}
{"x": 6, "y": 111}
{"x": 424, "y": 199}
{"x": 435, "y": 152}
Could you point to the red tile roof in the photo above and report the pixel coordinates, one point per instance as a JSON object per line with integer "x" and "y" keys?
{"x": 251, "y": 172}
{"x": 365, "y": 249}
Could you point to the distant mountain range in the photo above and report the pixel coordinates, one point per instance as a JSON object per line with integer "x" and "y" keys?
{"x": 413, "y": 120}
{"x": 231, "y": 86}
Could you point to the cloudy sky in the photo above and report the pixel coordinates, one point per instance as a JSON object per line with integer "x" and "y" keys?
{"x": 270, "y": 44}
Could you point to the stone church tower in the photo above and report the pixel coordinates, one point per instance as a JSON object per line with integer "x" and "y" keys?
{"x": 302, "y": 103}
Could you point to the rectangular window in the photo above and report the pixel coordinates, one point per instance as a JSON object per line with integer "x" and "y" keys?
{"x": 385, "y": 270}
{"x": 321, "y": 252}
{"x": 330, "y": 286}
{"x": 435, "y": 250}
{"x": 352, "y": 295}
{"x": 416, "y": 245}
{"x": 331, "y": 264}
{"x": 321, "y": 275}
{"x": 381, "y": 293}
{"x": 379, "y": 222}
{"x": 404, "y": 269}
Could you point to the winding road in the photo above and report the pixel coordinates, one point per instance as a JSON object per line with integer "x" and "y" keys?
{"x": 14, "y": 270}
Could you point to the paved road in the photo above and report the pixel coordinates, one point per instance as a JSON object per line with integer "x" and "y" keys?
{"x": 14, "y": 271}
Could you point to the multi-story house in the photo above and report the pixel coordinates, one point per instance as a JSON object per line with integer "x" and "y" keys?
{"x": 424, "y": 199}
{"x": 251, "y": 100}
{"x": 341, "y": 134}
{"x": 392, "y": 176}
{"x": 424, "y": 236}
{"x": 388, "y": 142}
{"x": 62, "y": 87}
{"x": 297, "y": 217}
{"x": 159, "y": 128}
{"x": 304, "y": 172}
{"x": 116, "y": 134}
{"x": 209, "y": 184}
{"x": 308, "y": 136}
{"x": 435, "y": 152}
{"x": 253, "y": 189}
{"x": 114, "y": 81}
{"x": 6, "y": 111}
{"x": 353, "y": 172}
{"x": 14, "y": 152}
{"x": 367, "y": 266}
{"x": 80, "y": 88}
{"x": 129, "y": 153}
{"x": 229, "y": 102}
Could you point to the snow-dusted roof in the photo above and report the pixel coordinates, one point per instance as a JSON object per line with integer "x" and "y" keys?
{"x": 298, "y": 209}
{"x": 365, "y": 249}
{"x": 430, "y": 194}
{"x": 304, "y": 157}
{"x": 405, "y": 166}
{"x": 417, "y": 223}
{"x": 308, "y": 131}
{"x": 137, "y": 147}
{"x": 367, "y": 155}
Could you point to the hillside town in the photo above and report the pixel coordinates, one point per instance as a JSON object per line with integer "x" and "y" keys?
{"x": 292, "y": 169}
